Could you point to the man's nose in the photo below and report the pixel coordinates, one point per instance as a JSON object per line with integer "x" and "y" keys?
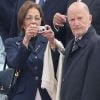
{"x": 76, "y": 22}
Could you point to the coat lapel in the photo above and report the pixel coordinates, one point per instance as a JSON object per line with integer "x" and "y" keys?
{"x": 66, "y": 55}
{"x": 18, "y": 40}
{"x": 68, "y": 48}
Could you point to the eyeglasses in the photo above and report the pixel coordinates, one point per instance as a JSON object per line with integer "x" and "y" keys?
{"x": 30, "y": 18}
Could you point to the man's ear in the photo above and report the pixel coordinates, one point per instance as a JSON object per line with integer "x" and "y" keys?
{"x": 66, "y": 18}
{"x": 90, "y": 18}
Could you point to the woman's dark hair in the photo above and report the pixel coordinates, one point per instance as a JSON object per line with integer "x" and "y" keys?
{"x": 23, "y": 12}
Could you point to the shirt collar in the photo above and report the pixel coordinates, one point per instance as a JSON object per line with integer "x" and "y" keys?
{"x": 78, "y": 38}
{"x": 37, "y": 1}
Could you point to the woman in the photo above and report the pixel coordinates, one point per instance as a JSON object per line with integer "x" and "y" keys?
{"x": 26, "y": 52}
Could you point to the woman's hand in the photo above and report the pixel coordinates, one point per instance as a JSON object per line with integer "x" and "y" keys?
{"x": 49, "y": 34}
{"x": 30, "y": 32}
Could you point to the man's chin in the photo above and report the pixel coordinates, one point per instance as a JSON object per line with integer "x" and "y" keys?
{"x": 77, "y": 33}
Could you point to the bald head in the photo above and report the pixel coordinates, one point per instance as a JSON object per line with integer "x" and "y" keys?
{"x": 78, "y": 5}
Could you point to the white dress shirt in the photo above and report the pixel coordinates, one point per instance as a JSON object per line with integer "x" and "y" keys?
{"x": 79, "y": 0}
{"x": 37, "y": 1}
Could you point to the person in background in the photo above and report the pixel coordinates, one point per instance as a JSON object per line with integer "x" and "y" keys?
{"x": 26, "y": 52}
{"x": 80, "y": 79}
{"x": 50, "y": 7}
{"x": 8, "y": 18}
{"x": 60, "y": 21}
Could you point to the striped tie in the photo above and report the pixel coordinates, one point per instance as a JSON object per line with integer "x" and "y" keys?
{"x": 75, "y": 45}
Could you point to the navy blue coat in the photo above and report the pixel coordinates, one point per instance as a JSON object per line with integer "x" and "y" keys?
{"x": 81, "y": 69}
{"x": 30, "y": 63}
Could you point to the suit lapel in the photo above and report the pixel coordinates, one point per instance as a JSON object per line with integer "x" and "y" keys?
{"x": 66, "y": 55}
{"x": 66, "y": 66}
{"x": 68, "y": 49}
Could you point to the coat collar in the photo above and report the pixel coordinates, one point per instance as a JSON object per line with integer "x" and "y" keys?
{"x": 83, "y": 42}
{"x": 90, "y": 33}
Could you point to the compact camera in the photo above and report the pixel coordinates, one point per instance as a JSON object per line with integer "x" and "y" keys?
{"x": 42, "y": 29}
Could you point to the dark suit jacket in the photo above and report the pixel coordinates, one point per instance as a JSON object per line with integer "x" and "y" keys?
{"x": 50, "y": 7}
{"x": 95, "y": 11}
{"x": 8, "y": 17}
{"x": 29, "y": 62}
{"x": 81, "y": 69}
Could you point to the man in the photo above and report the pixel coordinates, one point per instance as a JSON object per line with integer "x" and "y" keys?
{"x": 81, "y": 75}
{"x": 81, "y": 66}
{"x": 59, "y": 18}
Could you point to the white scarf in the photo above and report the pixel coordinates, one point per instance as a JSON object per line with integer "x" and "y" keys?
{"x": 48, "y": 78}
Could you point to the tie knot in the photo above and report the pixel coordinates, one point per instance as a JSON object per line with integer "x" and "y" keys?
{"x": 75, "y": 45}
{"x": 76, "y": 41}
